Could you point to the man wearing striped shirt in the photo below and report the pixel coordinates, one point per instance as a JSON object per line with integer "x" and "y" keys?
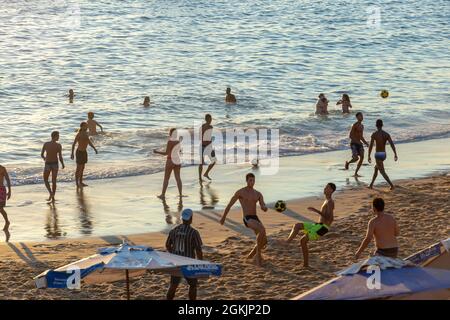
{"x": 185, "y": 241}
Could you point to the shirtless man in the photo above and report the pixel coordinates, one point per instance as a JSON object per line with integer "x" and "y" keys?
{"x": 381, "y": 137}
{"x": 313, "y": 231}
{"x": 4, "y": 195}
{"x": 357, "y": 138}
{"x": 248, "y": 197}
{"x": 206, "y": 148}
{"x": 230, "y": 98}
{"x": 93, "y": 124}
{"x": 385, "y": 230}
{"x": 82, "y": 138}
{"x": 53, "y": 152}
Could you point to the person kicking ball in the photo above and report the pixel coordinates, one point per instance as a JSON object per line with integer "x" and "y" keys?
{"x": 313, "y": 231}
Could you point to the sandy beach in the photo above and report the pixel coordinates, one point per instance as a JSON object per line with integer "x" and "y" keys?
{"x": 421, "y": 207}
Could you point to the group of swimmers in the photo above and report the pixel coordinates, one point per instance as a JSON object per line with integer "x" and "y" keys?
{"x": 322, "y": 104}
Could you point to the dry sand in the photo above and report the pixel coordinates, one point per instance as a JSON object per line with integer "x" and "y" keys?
{"x": 421, "y": 207}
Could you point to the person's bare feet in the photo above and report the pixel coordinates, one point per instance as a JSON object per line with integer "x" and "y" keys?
{"x": 161, "y": 196}
{"x": 392, "y": 188}
{"x": 84, "y": 185}
{"x": 357, "y": 175}
{"x": 50, "y": 198}
{"x": 346, "y": 165}
{"x": 207, "y": 177}
{"x": 370, "y": 186}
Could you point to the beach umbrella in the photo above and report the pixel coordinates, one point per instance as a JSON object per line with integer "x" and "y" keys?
{"x": 434, "y": 256}
{"x": 396, "y": 278}
{"x": 122, "y": 263}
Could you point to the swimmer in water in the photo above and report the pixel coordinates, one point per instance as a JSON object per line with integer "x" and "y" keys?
{"x": 230, "y": 98}
{"x": 71, "y": 95}
{"x": 345, "y": 102}
{"x": 322, "y": 105}
{"x": 92, "y": 124}
{"x": 146, "y": 102}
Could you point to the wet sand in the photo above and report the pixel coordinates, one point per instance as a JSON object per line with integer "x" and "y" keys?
{"x": 125, "y": 206}
{"x": 421, "y": 206}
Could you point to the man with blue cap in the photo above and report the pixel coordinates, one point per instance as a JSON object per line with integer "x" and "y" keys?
{"x": 185, "y": 241}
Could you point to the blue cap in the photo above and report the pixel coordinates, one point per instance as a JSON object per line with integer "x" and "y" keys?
{"x": 186, "y": 215}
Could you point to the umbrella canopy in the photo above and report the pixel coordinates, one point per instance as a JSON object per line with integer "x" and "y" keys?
{"x": 435, "y": 256}
{"x": 397, "y": 277}
{"x": 121, "y": 263}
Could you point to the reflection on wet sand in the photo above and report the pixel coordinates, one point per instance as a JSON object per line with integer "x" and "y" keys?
{"x": 52, "y": 224}
{"x": 7, "y": 234}
{"x": 172, "y": 216}
{"x": 212, "y": 193}
{"x": 85, "y": 218}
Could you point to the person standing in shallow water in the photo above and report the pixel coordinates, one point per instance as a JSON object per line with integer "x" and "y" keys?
{"x": 51, "y": 153}
{"x": 83, "y": 141}
{"x": 322, "y": 105}
{"x": 380, "y": 137}
{"x": 345, "y": 102}
{"x": 230, "y": 98}
{"x": 173, "y": 163}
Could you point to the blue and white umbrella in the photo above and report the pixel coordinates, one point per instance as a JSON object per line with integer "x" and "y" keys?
{"x": 121, "y": 263}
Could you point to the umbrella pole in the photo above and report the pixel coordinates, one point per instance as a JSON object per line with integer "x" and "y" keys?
{"x": 128, "y": 284}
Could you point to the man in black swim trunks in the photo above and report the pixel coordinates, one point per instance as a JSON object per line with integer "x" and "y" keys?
{"x": 380, "y": 137}
{"x": 83, "y": 140}
{"x": 248, "y": 197}
{"x": 206, "y": 149}
{"x": 357, "y": 139}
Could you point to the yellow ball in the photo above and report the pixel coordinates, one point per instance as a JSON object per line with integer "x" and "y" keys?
{"x": 384, "y": 94}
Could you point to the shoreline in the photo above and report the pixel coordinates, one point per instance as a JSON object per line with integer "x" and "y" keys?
{"x": 282, "y": 277}
{"x": 129, "y": 205}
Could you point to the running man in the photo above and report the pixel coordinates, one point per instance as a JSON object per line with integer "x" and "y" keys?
{"x": 313, "y": 231}
{"x": 185, "y": 241}
{"x": 53, "y": 152}
{"x": 83, "y": 140}
{"x": 230, "y": 98}
{"x": 357, "y": 139}
{"x": 4, "y": 195}
{"x": 206, "y": 149}
{"x": 248, "y": 197}
{"x": 380, "y": 137}
{"x": 384, "y": 229}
